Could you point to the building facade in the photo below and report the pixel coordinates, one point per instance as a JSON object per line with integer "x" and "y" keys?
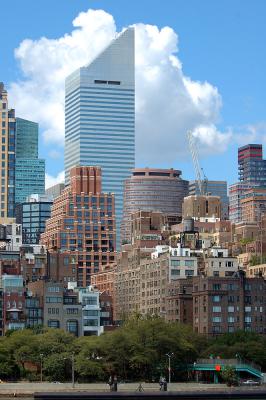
{"x": 214, "y": 188}
{"x": 202, "y": 208}
{"x": 90, "y": 302}
{"x": 100, "y": 116}
{"x": 253, "y": 204}
{"x": 30, "y": 170}
{"x": 82, "y": 224}
{"x": 55, "y": 190}
{"x": 13, "y": 302}
{"x": 7, "y": 156}
{"x": 222, "y": 305}
{"x": 251, "y": 165}
{"x": 150, "y": 189}
{"x": 32, "y": 215}
{"x": 236, "y": 193}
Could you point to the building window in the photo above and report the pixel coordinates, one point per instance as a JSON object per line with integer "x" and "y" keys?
{"x": 53, "y": 323}
{"x": 53, "y": 289}
{"x": 91, "y": 313}
{"x": 216, "y": 319}
{"x": 216, "y": 308}
{"x": 216, "y": 286}
{"x": 216, "y": 329}
{"x": 89, "y": 300}
{"x": 72, "y": 327}
{"x": 175, "y": 263}
{"x": 53, "y": 299}
{"x": 72, "y": 310}
{"x": 189, "y": 263}
{"x": 175, "y": 272}
{"x": 216, "y": 299}
{"x": 53, "y": 310}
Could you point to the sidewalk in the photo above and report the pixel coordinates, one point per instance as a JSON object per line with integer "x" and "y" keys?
{"x": 27, "y": 389}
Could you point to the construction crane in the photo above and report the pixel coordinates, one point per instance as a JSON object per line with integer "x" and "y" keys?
{"x": 201, "y": 178}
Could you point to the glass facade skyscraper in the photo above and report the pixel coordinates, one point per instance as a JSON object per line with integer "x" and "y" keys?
{"x": 100, "y": 117}
{"x": 30, "y": 170}
{"x": 26, "y": 139}
{"x": 32, "y": 214}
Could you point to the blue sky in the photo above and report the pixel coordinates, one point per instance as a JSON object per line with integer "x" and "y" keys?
{"x": 222, "y": 43}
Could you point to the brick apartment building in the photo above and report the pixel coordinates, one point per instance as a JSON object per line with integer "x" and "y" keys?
{"x": 253, "y": 204}
{"x": 223, "y": 305}
{"x": 82, "y": 225}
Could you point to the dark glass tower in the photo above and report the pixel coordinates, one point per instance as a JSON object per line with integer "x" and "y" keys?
{"x": 30, "y": 170}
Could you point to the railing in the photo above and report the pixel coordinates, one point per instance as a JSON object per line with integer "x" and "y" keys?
{"x": 230, "y": 361}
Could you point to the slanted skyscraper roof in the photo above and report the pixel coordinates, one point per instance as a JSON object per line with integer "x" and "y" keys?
{"x": 100, "y": 116}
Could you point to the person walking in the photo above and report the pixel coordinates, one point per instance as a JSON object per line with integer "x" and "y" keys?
{"x": 111, "y": 383}
{"x": 161, "y": 383}
{"x": 115, "y": 384}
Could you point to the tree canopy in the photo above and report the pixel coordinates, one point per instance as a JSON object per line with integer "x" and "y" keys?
{"x": 135, "y": 351}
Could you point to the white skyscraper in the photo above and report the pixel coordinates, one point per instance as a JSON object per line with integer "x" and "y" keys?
{"x": 100, "y": 116}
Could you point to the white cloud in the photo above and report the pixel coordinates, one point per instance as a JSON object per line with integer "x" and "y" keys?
{"x": 211, "y": 138}
{"x": 55, "y": 154}
{"x": 252, "y": 133}
{"x": 53, "y": 180}
{"x": 168, "y": 102}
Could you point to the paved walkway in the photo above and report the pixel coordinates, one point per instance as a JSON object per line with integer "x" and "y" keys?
{"x": 27, "y": 388}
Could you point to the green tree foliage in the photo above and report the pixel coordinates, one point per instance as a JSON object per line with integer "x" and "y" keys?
{"x": 244, "y": 345}
{"x": 229, "y": 375}
{"x": 256, "y": 260}
{"x": 137, "y": 350}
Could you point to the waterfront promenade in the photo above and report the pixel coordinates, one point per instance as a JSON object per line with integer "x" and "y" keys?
{"x": 29, "y": 388}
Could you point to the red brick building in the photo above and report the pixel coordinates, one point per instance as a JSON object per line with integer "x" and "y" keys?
{"x": 82, "y": 225}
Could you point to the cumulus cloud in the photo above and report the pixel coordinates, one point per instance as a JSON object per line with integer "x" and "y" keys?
{"x": 53, "y": 180}
{"x": 168, "y": 103}
{"x": 252, "y": 133}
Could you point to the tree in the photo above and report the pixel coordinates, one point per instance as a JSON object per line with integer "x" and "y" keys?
{"x": 229, "y": 375}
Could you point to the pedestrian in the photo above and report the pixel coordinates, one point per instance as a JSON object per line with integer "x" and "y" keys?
{"x": 164, "y": 385}
{"x": 115, "y": 384}
{"x": 161, "y": 383}
{"x": 111, "y": 383}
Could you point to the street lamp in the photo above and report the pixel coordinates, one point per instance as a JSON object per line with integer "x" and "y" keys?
{"x": 72, "y": 368}
{"x": 41, "y": 357}
{"x": 169, "y": 355}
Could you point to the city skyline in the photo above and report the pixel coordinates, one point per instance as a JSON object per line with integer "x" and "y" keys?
{"x": 160, "y": 41}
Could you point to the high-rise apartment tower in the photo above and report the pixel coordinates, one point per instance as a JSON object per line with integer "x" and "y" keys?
{"x": 82, "y": 224}
{"x": 100, "y": 116}
{"x": 7, "y": 156}
{"x": 251, "y": 165}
